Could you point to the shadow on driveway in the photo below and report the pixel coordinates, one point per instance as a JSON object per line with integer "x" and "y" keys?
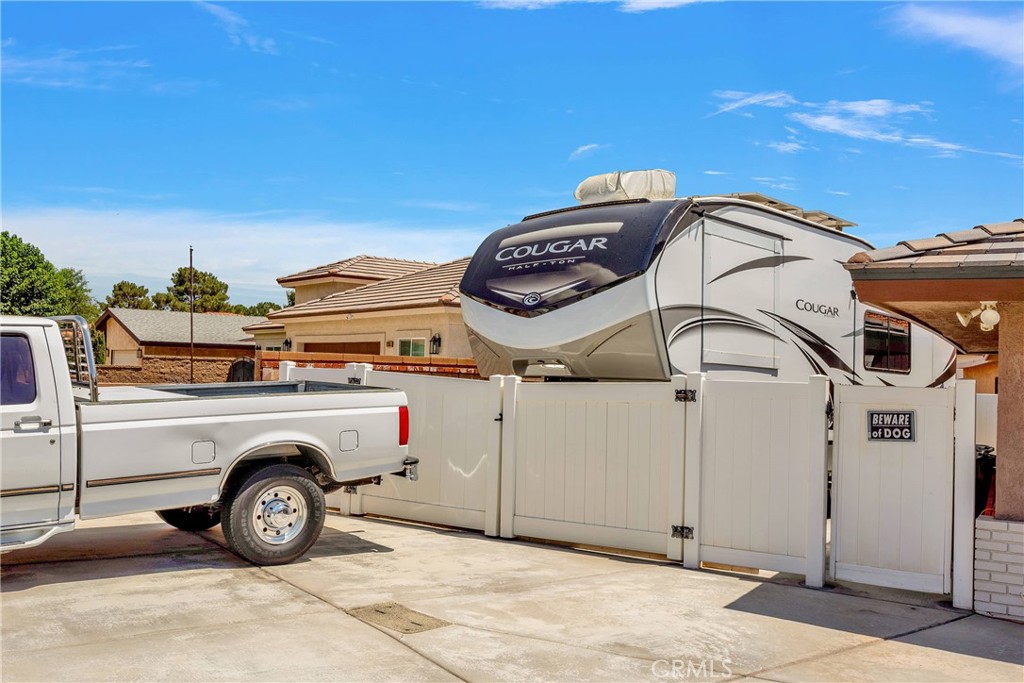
{"x": 139, "y": 549}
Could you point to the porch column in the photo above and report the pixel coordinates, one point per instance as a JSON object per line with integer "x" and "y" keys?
{"x": 1010, "y": 456}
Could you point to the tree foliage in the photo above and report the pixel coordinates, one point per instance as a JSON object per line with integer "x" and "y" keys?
{"x": 262, "y": 308}
{"x": 77, "y": 297}
{"x": 127, "y": 294}
{"x": 211, "y": 293}
{"x": 31, "y": 285}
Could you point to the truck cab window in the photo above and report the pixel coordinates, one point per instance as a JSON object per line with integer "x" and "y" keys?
{"x": 17, "y": 374}
{"x": 886, "y": 343}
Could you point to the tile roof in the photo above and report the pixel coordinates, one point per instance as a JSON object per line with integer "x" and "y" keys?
{"x": 995, "y": 248}
{"x": 362, "y": 267}
{"x": 172, "y": 327}
{"x": 437, "y": 286}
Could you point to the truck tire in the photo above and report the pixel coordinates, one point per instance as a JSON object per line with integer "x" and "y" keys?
{"x": 196, "y": 518}
{"x": 274, "y": 515}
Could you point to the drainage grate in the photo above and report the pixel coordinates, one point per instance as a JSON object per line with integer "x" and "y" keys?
{"x": 396, "y": 617}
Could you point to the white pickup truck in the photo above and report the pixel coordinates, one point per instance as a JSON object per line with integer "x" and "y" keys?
{"x": 255, "y": 457}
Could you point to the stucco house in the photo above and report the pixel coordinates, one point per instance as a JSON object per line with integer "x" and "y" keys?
{"x": 373, "y": 306}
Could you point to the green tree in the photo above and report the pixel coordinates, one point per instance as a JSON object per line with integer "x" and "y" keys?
{"x": 77, "y": 297}
{"x": 127, "y": 294}
{"x": 29, "y": 284}
{"x": 211, "y": 293}
{"x": 291, "y": 297}
{"x": 262, "y": 308}
{"x": 99, "y": 346}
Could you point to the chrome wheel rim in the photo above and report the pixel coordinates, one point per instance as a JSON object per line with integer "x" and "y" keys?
{"x": 279, "y": 515}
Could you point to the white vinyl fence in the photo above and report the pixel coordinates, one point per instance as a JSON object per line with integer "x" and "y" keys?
{"x": 698, "y": 470}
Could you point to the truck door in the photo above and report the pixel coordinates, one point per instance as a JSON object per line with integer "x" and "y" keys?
{"x": 29, "y": 430}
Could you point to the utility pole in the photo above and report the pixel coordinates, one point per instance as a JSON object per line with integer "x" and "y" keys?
{"x": 191, "y": 319}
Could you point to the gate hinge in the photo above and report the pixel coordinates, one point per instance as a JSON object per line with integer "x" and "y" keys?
{"x": 684, "y": 532}
{"x": 686, "y": 395}
{"x": 354, "y": 380}
{"x": 500, "y": 418}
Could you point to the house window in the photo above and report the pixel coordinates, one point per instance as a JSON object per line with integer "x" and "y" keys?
{"x": 886, "y": 343}
{"x": 412, "y": 347}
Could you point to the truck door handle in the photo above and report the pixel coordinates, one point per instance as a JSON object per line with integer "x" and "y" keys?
{"x": 32, "y": 422}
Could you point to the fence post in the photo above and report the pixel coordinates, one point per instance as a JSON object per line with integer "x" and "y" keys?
{"x": 963, "y": 493}
{"x": 285, "y": 368}
{"x": 358, "y": 371}
{"x": 693, "y": 441}
{"x": 510, "y": 393}
{"x": 492, "y": 493}
{"x": 676, "y": 469}
{"x": 817, "y": 480}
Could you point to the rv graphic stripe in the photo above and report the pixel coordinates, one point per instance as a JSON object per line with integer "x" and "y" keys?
{"x": 825, "y": 351}
{"x": 766, "y": 262}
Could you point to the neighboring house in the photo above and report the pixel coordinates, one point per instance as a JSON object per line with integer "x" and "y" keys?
{"x": 153, "y": 346}
{"x": 415, "y": 313}
{"x": 350, "y": 273}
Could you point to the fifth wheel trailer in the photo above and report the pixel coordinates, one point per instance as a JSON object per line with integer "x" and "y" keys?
{"x": 642, "y": 289}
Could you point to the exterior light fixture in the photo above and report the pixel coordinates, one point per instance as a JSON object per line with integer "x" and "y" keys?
{"x": 966, "y": 318}
{"x": 987, "y": 314}
{"x": 435, "y": 344}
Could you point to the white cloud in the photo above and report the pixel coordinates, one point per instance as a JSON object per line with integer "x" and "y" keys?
{"x": 585, "y": 151}
{"x": 999, "y": 36}
{"x": 785, "y": 183}
{"x": 786, "y": 147}
{"x": 76, "y": 69}
{"x": 877, "y": 120}
{"x": 838, "y": 193}
{"x": 648, "y": 5}
{"x": 237, "y": 28}
{"x": 716, "y": 173}
{"x": 248, "y": 251}
{"x": 737, "y": 100}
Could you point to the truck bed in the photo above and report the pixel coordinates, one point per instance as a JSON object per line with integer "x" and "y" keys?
{"x": 172, "y": 392}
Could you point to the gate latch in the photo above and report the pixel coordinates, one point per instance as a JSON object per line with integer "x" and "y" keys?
{"x": 684, "y": 532}
{"x": 686, "y": 395}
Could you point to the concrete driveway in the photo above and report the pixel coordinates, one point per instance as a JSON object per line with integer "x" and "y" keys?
{"x": 132, "y": 599}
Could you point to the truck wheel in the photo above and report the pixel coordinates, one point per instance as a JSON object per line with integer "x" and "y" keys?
{"x": 274, "y": 516}
{"x": 196, "y": 518}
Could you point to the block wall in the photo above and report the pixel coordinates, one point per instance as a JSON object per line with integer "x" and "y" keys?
{"x": 999, "y": 568}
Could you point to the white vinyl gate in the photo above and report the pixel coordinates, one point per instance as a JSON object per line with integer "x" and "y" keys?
{"x": 723, "y": 471}
{"x": 591, "y": 463}
{"x": 763, "y": 475}
{"x": 893, "y": 499}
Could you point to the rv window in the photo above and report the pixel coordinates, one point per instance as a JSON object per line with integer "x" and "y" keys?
{"x": 886, "y": 343}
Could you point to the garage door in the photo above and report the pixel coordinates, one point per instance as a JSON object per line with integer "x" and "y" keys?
{"x": 368, "y": 348}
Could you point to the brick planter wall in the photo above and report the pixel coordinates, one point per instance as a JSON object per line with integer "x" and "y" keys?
{"x": 999, "y": 568}
{"x": 156, "y": 370}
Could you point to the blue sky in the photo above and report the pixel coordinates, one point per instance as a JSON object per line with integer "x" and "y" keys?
{"x": 275, "y": 137}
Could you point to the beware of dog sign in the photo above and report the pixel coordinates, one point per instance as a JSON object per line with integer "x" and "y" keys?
{"x": 891, "y": 425}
